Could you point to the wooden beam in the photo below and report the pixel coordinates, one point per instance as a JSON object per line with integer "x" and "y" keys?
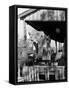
{"x": 27, "y": 13}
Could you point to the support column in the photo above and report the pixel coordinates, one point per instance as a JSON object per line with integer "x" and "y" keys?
{"x": 56, "y": 46}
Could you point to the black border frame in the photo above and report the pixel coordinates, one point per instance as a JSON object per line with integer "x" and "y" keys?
{"x": 15, "y": 42}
